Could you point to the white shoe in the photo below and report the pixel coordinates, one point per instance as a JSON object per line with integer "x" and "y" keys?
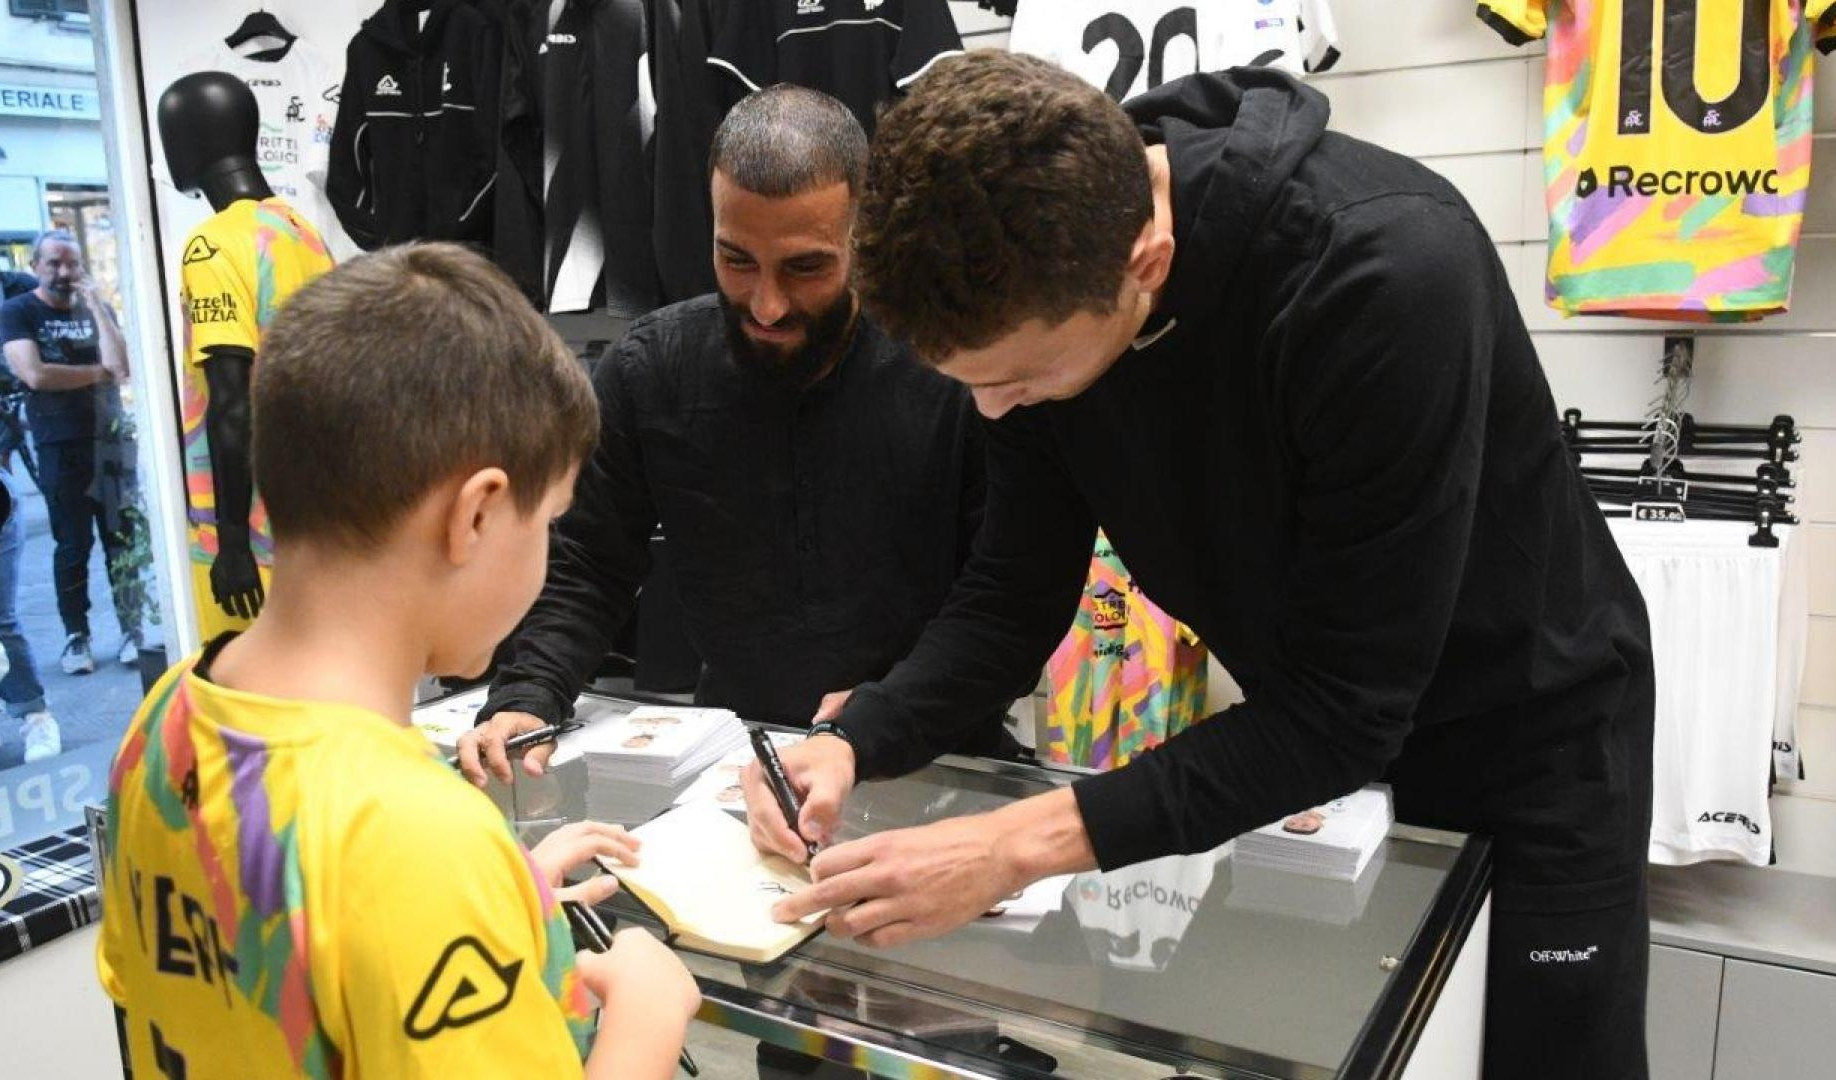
{"x": 41, "y": 737}
{"x": 77, "y": 659}
{"x": 130, "y": 651}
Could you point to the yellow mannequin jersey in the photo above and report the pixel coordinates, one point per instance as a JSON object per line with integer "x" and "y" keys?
{"x": 1677, "y": 145}
{"x": 237, "y": 269}
{"x": 300, "y": 889}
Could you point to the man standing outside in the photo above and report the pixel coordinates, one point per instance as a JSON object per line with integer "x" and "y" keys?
{"x": 61, "y": 340}
{"x": 819, "y": 487}
{"x": 1285, "y": 372}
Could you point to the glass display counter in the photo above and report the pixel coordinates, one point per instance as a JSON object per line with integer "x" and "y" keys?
{"x": 1188, "y": 964}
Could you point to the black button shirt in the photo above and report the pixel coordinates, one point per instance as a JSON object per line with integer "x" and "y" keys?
{"x": 813, "y": 533}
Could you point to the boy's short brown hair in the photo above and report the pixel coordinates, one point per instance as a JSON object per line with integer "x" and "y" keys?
{"x": 1000, "y": 190}
{"x": 397, "y": 371}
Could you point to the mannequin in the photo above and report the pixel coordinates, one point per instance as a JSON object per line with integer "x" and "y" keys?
{"x": 209, "y": 124}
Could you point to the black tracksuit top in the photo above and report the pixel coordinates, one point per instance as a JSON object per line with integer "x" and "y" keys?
{"x": 1339, "y": 462}
{"x": 414, "y": 147}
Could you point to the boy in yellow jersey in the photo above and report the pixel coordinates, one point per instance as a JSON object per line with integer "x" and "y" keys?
{"x": 297, "y": 884}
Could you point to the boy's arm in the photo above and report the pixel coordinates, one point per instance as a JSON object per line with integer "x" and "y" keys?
{"x": 444, "y": 954}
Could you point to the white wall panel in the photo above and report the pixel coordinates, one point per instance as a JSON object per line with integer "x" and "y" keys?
{"x": 1820, "y": 541}
{"x": 1820, "y": 668}
{"x": 1437, "y": 111}
{"x": 1379, "y": 36}
{"x": 1494, "y": 185}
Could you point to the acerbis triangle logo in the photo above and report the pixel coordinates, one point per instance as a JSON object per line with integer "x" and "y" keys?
{"x": 467, "y": 985}
{"x": 388, "y": 87}
{"x": 199, "y": 250}
{"x": 1587, "y": 183}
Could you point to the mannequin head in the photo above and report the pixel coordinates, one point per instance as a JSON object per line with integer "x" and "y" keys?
{"x": 209, "y": 124}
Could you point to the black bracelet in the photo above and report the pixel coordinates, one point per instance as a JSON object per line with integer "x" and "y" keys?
{"x": 829, "y": 727}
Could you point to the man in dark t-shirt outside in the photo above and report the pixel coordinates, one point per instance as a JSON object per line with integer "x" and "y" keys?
{"x": 61, "y": 340}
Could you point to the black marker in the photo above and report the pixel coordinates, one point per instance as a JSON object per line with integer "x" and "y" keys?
{"x": 779, "y": 781}
{"x": 548, "y": 733}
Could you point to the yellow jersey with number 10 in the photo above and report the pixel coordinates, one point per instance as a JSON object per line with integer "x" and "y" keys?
{"x": 1677, "y": 144}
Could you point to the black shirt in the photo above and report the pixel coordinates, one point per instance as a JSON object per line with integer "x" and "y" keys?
{"x": 858, "y": 51}
{"x": 812, "y": 533}
{"x": 1335, "y": 457}
{"x": 64, "y": 337}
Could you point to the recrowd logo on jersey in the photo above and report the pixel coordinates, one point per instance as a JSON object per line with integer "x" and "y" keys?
{"x": 809, "y": 7}
{"x": 388, "y": 87}
{"x": 1623, "y": 181}
{"x": 1729, "y": 817}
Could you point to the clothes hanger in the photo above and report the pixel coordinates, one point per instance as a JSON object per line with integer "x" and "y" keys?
{"x": 260, "y": 23}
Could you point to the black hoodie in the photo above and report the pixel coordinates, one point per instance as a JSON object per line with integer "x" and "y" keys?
{"x": 1332, "y": 453}
{"x": 414, "y": 148}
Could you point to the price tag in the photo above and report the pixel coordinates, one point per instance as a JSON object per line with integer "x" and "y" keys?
{"x": 1670, "y": 512}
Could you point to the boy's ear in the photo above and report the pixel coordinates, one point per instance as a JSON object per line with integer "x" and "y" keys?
{"x": 478, "y": 497}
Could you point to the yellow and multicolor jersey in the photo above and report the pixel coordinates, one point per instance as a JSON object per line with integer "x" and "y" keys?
{"x": 237, "y": 270}
{"x": 301, "y": 889}
{"x": 1677, "y": 146}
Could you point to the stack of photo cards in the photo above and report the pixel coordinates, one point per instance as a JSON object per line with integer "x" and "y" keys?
{"x": 720, "y": 782}
{"x": 640, "y": 761}
{"x": 1335, "y": 841}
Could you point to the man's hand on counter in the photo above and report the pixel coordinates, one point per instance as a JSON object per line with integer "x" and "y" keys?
{"x": 481, "y": 750}
{"x": 899, "y": 886}
{"x": 821, "y": 769}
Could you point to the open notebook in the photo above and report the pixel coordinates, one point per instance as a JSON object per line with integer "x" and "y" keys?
{"x": 701, "y": 875}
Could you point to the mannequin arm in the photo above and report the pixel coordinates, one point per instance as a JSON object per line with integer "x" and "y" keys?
{"x": 234, "y": 579}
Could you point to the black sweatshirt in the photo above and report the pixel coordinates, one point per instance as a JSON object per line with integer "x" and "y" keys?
{"x": 414, "y": 148}
{"x": 1339, "y": 463}
{"x": 813, "y": 533}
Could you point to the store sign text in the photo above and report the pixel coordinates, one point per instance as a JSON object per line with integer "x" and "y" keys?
{"x": 58, "y": 103}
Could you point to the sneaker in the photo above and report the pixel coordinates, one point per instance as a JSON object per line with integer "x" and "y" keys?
{"x": 41, "y": 737}
{"x": 76, "y": 659}
{"x": 130, "y": 650}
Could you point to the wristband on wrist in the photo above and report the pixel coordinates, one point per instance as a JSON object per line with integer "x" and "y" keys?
{"x": 829, "y": 727}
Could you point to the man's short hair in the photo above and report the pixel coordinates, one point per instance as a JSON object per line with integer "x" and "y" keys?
{"x": 397, "y": 371}
{"x": 1002, "y": 189}
{"x": 53, "y": 236}
{"x": 785, "y": 140}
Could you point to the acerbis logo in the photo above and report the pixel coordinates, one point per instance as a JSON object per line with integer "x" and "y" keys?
{"x": 1729, "y": 817}
{"x": 809, "y": 7}
{"x": 1624, "y": 181}
{"x": 388, "y": 87}
{"x": 561, "y": 39}
{"x": 1564, "y": 956}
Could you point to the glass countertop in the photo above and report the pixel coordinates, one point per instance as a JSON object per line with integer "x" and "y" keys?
{"x": 1189, "y": 962}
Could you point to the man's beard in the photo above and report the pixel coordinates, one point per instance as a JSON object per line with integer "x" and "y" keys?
{"x": 824, "y": 336}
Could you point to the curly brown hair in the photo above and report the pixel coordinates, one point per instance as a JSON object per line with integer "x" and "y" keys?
{"x": 1002, "y": 189}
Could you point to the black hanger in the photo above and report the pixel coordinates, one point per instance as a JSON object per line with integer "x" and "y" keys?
{"x": 260, "y": 23}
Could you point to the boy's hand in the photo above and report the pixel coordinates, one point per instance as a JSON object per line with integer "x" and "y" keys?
{"x": 481, "y": 750}
{"x": 580, "y": 843}
{"x": 639, "y": 975}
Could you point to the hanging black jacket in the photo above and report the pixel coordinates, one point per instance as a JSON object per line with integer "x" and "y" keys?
{"x": 1333, "y": 454}
{"x": 414, "y": 149}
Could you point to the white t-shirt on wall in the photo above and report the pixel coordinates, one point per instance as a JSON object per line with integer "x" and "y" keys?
{"x": 297, "y": 96}
{"x": 1131, "y": 46}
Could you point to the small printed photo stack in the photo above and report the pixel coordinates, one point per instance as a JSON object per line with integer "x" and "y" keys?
{"x": 1336, "y": 840}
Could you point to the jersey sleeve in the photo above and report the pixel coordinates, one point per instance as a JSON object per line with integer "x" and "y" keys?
{"x": 927, "y": 34}
{"x": 1517, "y": 21}
{"x": 219, "y": 309}
{"x": 450, "y": 957}
{"x": 1319, "y": 37}
{"x": 745, "y": 45}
